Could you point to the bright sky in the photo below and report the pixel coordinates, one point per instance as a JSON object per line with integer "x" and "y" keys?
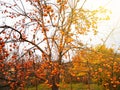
{"x": 114, "y": 5}
{"x": 106, "y": 27}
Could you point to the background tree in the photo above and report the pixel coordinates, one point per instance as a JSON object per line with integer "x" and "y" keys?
{"x": 99, "y": 65}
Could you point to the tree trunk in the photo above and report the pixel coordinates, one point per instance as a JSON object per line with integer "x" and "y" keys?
{"x": 54, "y": 86}
{"x": 56, "y": 78}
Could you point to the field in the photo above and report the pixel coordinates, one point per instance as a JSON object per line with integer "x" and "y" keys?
{"x": 77, "y": 86}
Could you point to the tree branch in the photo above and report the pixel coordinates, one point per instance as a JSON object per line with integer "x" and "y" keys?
{"x": 7, "y": 27}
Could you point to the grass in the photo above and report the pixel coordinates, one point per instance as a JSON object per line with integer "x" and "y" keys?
{"x": 40, "y": 87}
{"x": 77, "y": 86}
{"x": 81, "y": 86}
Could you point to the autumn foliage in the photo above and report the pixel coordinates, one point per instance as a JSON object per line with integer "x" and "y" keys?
{"x": 38, "y": 41}
{"x": 100, "y": 65}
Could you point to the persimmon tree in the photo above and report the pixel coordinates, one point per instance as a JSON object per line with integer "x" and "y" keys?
{"x": 14, "y": 72}
{"x": 47, "y": 28}
{"x": 99, "y": 64}
{"x": 107, "y": 71}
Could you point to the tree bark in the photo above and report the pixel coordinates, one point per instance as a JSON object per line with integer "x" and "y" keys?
{"x": 54, "y": 86}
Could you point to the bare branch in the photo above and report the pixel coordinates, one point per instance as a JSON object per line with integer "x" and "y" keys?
{"x": 6, "y": 27}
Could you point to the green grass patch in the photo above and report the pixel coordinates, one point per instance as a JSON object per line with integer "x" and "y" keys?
{"x": 74, "y": 86}
{"x": 81, "y": 86}
{"x": 40, "y": 87}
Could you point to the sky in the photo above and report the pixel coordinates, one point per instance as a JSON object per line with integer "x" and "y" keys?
{"x": 114, "y": 23}
{"x": 106, "y": 27}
